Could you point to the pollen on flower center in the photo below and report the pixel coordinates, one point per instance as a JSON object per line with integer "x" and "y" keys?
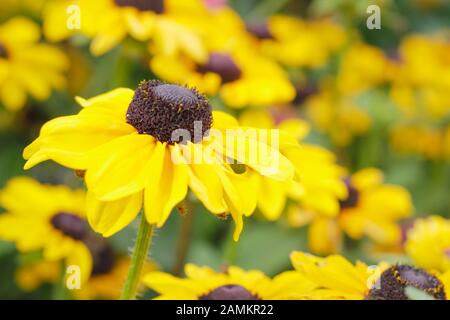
{"x": 260, "y": 30}
{"x": 69, "y": 224}
{"x": 394, "y": 280}
{"x": 162, "y": 110}
{"x": 353, "y": 196}
{"x": 156, "y": 6}
{"x": 3, "y": 51}
{"x": 229, "y": 292}
{"x": 223, "y": 65}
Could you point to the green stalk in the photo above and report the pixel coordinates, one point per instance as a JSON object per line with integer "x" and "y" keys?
{"x": 140, "y": 252}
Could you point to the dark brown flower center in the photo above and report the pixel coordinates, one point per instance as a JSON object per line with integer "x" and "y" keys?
{"x": 229, "y": 292}
{"x": 3, "y": 51}
{"x": 70, "y": 224}
{"x": 102, "y": 254}
{"x": 303, "y": 93}
{"x": 352, "y": 198}
{"x": 223, "y": 65}
{"x": 169, "y": 112}
{"x": 157, "y": 6}
{"x": 260, "y": 30}
{"x": 394, "y": 280}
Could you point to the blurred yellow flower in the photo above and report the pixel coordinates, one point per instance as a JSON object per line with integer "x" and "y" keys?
{"x": 371, "y": 209}
{"x": 429, "y": 141}
{"x": 108, "y": 22}
{"x": 123, "y": 140}
{"x": 428, "y": 243}
{"x": 362, "y": 67}
{"x": 203, "y": 283}
{"x": 295, "y": 42}
{"x": 421, "y": 77}
{"x": 241, "y": 78}
{"x": 47, "y": 218}
{"x": 338, "y": 116}
{"x": 107, "y": 278}
{"x": 27, "y": 66}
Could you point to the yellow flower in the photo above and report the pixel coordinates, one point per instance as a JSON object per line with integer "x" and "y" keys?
{"x": 27, "y": 66}
{"x": 429, "y": 141}
{"x": 319, "y": 186}
{"x": 241, "y": 78}
{"x": 371, "y": 209}
{"x": 203, "y": 283}
{"x": 107, "y": 279}
{"x": 128, "y": 145}
{"x": 420, "y": 77}
{"x": 362, "y": 67}
{"x": 295, "y": 42}
{"x": 337, "y": 115}
{"x": 47, "y": 218}
{"x": 336, "y": 277}
{"x": 31, "y": 276}
{"x": 108, "y": 22}
{"x": 428, "y": 243}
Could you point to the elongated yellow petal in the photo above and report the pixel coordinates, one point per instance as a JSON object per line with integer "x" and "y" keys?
{"x": 120, "y": 168}
{"x": 110, "y": 217}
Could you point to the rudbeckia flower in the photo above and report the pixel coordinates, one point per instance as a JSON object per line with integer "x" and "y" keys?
{"x": 420, "y": 77}
{"x": 46, "y": 218}
{"x": 362, "y": 67}
{"x": 27, "y": 66}
{"x": 108, "y": 22}
{"x": 428, "y": 243}
{"x": 295, "y": 42}
{"x": 108, "y": 273}
{"x": 203, "y": 283}
{"x": 337, "y": 278}
{"x": 371, "y": 209}
{"x": 339, "y": 116}
{"x": 241, "y": 78}
{"x": 126, "y": 141}
{"x": 319, "y": 186}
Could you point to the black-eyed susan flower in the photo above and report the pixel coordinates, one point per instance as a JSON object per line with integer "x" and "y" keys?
{"x": 428, "y": 243}
{"x": 46, "y": 218}
{"x": 128, "y": 144}
{"x": 109, "y": 272}
{"x": 416, "y": 88}
{"x": 240, "y": 77}
{"x": 295, "y": 42}
{"x": 203, "y": 283}
{"x": 335, "y": 277}
{"x": 27, "y": 66}
{"x": 371, "y": 209}
{"x": 318, "y": 186}
{"x": 108, "y": 22}
{"x": 338, "y": 116}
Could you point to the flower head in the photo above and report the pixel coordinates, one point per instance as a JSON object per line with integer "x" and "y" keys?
{"x": 27, "y": 66}
{"x": 46, "y": 218}
{"x": 137, "y": 146}
{"x": 203, "y": 283}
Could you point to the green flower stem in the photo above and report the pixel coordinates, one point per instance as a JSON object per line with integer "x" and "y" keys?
{"x": 140, "y": 252}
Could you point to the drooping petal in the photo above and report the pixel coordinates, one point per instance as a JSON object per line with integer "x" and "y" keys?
{"x": 110, "y": 217}
{"x": 120, "y": 168}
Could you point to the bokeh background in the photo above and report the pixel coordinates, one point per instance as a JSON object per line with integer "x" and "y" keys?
{"x": 375, "y": 98}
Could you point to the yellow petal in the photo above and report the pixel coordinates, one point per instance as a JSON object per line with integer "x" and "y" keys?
{"x": 110, "y": 217}
{"x": 120, "y": 168}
